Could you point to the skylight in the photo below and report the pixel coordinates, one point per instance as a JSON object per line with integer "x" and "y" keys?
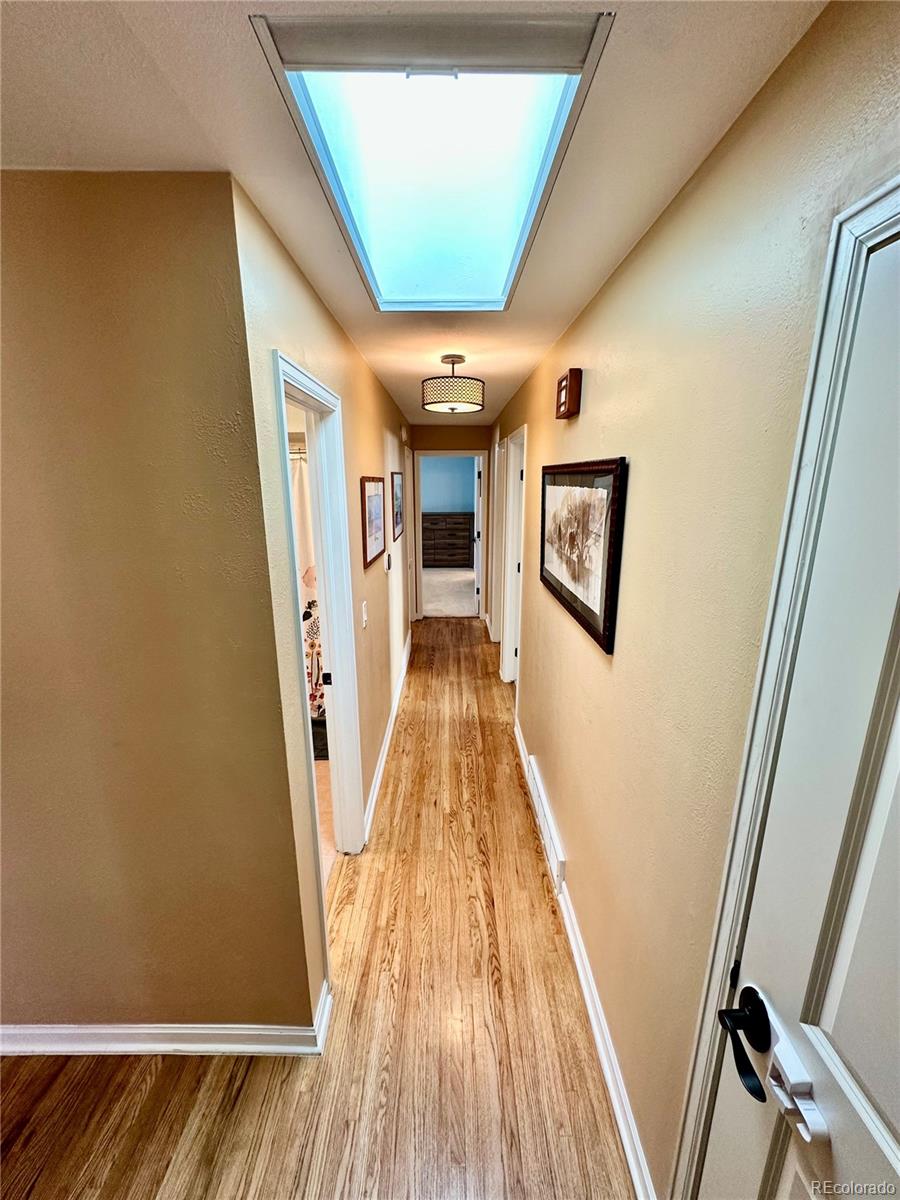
{"x": 438, "y": 177}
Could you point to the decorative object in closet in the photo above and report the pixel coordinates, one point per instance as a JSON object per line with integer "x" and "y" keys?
{"x": 568, "y": 394}
{"x": 582, "y": 515}
{"x": 397, "y": 502}
{"x": 373, "y": 533}
{"x": 307, "y": 586}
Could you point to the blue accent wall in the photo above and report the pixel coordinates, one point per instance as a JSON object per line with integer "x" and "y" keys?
{"x": 448, "y": 484}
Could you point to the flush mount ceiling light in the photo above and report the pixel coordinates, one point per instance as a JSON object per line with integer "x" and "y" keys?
{"x": 377, "y": 99}
{"x": 453, "y": 393}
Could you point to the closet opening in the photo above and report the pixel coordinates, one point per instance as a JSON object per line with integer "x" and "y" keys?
{"x": 312, "y": 601}
{"x": 312, "y": 626}
{"x": 449, "y": 492}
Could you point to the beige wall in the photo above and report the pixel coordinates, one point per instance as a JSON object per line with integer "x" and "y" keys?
{"x": 451, "y": 437}
{"x": 695, "y": 356}
{"x": 283, "y": 312}
{"x": 148, "y": 859}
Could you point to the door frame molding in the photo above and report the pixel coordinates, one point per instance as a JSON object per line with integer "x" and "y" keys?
{"x": 331, "y": 539}
{"x": 513, "y": 550}
{"x": 497, "y": 494}
{"x": 854, "y": 233}
{"x": 480, "y": 457}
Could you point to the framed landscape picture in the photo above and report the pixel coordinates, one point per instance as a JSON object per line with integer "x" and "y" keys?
{"x": 373, "y": 531}
{"x": 397, "y": 502}
{"x": 582, "y": 514}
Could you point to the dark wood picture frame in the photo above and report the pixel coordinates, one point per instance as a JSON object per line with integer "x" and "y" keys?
{"x": 610, "y": 474}
{"x": 395, "y": 475}
{"x": 364, "y": 509}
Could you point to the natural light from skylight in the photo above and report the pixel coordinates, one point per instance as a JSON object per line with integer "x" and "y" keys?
{"x": 438, "y": 178}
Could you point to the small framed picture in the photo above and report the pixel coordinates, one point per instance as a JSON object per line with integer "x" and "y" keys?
{"x": 397, "y": 502}
{"x": 373, "y": 532}
{"x": 582, "y": 515}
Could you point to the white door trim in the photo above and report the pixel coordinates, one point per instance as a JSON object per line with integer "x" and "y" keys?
{"x": 479, "y": 456}
{"x": 331, "y": 538}
{"x": 513, "y": 544}
{"x": 853, "y": 234}
{"x": 497, "y": 526}
{"x": 410, "y": 532}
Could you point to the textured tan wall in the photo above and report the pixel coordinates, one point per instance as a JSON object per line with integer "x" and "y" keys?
{"x": 695, "y": 356}
{"x": 148, "y": 860}
{"x": 451, "y": 437}
{"x": 283, "y": 312}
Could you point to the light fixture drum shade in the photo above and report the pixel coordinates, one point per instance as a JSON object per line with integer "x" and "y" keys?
{"x": 453, "y": 394}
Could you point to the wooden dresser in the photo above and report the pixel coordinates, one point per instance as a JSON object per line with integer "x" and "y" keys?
{"x": 447, "y": 539}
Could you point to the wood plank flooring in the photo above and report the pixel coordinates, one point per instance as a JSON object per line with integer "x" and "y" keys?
{"x": 460, "y": 1063}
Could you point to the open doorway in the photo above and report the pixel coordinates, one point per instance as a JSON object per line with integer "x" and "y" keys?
{"x": 311, "y": 618}
{"x": 448, "y": 522}
{"x": 513, "y": 532}
{"x": 317, "y": 650}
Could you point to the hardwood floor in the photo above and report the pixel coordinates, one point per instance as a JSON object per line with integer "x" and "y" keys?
{"x": 327, "y": 851}
{"x": 460, "y": 1063}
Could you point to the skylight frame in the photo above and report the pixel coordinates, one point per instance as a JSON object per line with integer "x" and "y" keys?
{"x": 307, "y": 126}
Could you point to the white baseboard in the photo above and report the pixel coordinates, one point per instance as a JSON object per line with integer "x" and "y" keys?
{"x": 172, "y": 1039}
{"x": 543, "y": 813}
{"x": 628, "y": 1130}
{"x": 386, "y": 742}
{"x": 520, "y": 746}
{"x": 322, "y": 1016}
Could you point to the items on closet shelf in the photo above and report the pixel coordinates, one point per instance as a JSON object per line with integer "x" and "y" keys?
{"x": 312, "y": 635}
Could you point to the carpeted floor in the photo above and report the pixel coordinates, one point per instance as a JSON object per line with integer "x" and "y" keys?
{"x": 448, "y": 592}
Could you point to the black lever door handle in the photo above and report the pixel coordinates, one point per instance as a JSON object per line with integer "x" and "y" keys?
{"x": 751, "y": 1019}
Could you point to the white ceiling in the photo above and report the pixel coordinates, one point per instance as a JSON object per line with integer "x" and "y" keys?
{"x": 183, "y": 85}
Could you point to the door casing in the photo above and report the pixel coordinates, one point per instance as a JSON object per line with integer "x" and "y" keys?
{"x": 331, "y": 540}
{"x": 865, "y": 224}
{"x": 480, "y": 464}
{"x": 497, "y": 541}
{"x": 513, "y": 566}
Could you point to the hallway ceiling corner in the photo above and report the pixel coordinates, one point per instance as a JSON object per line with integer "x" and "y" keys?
{"x": 184, "y": 86}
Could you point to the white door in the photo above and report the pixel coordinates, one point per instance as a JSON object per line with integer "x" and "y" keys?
{"x": 497, "y": 517}
{"x": 512, "y": 571}
{"x": 822, "y": 944}
{"x": 478, "y": 548}
{"x": 409, "y": 528}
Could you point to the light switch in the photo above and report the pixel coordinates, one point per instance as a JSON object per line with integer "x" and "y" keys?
{"x": 365, "y": 613}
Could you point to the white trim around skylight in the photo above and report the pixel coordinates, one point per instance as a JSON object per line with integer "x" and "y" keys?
{"x": 309, "y": 129}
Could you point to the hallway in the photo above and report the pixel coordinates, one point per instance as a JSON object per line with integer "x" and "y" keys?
{"x": 460, "y": 1062}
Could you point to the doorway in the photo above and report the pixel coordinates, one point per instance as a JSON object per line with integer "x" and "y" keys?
{"x": 512, "y": 555}
{"x": 498, "y": 537}
{"x": 322, "y": 654}
{"x": 449, "y": 513}
{"x": 311, "y": 623}
{"x": 805, "y": 976}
